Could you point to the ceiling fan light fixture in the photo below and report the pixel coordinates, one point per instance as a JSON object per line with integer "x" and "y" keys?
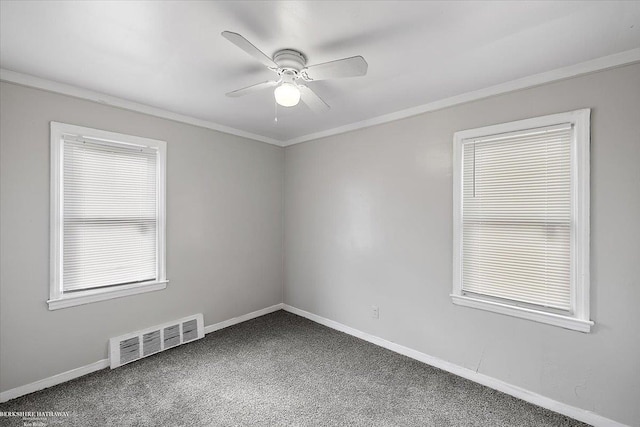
{"x": 291, "y": 66}
{"x": 287, "y": 95}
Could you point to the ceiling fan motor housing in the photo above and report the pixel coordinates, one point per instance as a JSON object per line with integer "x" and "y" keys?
{"x": 289, "y": 60}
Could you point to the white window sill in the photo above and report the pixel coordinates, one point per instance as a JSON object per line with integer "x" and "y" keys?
{"x": 94, "y": 295}
{"x": 525, "y": 313}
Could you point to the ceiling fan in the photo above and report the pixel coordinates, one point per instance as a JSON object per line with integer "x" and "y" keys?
{"x": 291, "y": 67}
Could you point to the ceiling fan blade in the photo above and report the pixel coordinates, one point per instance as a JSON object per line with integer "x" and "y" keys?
{"x": 246, "y": 45}
{"x": 252, "y": 89}
{"x": 312, "y": 100}
{"x": 347, "y": 67}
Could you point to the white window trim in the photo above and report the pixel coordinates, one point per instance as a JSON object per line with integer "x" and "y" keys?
{"x": 57, "y": 298}
{"x": 578, "y": 318}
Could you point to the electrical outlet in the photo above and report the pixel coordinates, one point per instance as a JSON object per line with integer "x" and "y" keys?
{"x": 375, "y": 311}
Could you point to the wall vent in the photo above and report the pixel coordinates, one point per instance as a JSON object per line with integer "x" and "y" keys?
{"x": 136, "y": 345}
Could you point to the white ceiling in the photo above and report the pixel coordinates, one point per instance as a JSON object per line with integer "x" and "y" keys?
{"x": 170, "y": 55}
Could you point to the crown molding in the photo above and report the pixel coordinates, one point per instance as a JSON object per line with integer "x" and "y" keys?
{"x": 594, "y": 65}
{"x": 599, "y": 64}
{"x": 77, "y": 92}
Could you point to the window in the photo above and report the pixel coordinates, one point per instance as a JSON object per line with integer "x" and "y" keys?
{"x": 521, "y": 219}
{"x": 107, "y": 215}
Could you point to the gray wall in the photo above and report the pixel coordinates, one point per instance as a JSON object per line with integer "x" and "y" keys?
{"x": 368, "y": 221}
{"x": 224, "y": 234}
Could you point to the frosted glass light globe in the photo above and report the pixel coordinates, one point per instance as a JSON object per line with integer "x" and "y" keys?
{"x": 287, "y": 95}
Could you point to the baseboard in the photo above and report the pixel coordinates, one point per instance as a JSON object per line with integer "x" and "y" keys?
{"x": 512, "y": 390}
{"x": 515, "y": 391}
{"x": 53, "y": 380}
{"x": 243, "y": 318}
{"x": 104, "y": 363}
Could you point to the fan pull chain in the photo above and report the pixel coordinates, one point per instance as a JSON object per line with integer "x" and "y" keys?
{"x": 276, "y": 112}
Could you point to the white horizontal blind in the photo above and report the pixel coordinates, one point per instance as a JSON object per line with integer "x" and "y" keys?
{"x": 516, "y": 231}
{"x": 110, "y": 214}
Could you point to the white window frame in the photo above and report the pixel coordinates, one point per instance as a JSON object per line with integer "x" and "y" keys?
{"x": 578, "y": 316}
{"x": 57, "y": 297}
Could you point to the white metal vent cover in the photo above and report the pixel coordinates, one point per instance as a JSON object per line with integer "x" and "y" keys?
{"x": 136, "y": 345}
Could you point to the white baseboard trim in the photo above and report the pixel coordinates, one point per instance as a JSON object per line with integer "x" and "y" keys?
{"x": 243, "y": 318}
{"x": 515, "y": 391}
{"x": 512, "y": 390}
{"x": 104, "y": 363}
{"x": 53, "y": 380}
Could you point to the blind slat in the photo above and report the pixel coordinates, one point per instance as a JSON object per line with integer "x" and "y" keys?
{"x": 110, "y": 214}
{"x": 516, "y": 217}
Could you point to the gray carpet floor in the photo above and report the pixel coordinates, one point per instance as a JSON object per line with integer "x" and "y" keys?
{"x": 278, "y": 370}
